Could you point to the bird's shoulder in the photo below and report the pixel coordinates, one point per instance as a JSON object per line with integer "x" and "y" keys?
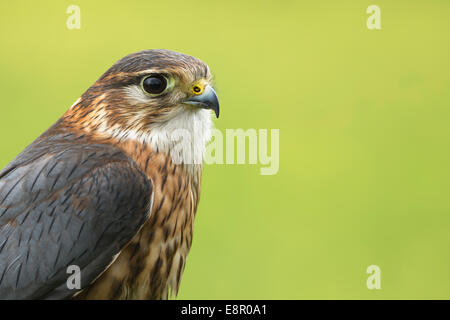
{"x": 66, "y": 200}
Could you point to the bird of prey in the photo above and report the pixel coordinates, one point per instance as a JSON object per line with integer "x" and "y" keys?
{"x": 112, "y": 187}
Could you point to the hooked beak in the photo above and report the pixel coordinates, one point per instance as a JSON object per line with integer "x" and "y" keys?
{"x": 207, "y": 100}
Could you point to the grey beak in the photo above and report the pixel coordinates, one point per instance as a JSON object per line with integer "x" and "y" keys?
{"x": 207, "y": 100}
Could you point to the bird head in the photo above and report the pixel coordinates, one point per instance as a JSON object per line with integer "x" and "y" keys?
{"x": 147, "y": 95}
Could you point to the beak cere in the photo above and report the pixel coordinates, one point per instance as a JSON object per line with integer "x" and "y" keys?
{"x": 207, "y": 100}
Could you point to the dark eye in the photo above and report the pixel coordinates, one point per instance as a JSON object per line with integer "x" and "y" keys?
{"x": 154, "y": 84}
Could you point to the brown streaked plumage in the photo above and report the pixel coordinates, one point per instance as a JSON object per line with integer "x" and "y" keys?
{"x": 154, "y": 259}
{"x": 121, "y": 115}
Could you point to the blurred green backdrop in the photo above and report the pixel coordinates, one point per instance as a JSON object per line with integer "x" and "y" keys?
{"x": 364, "y": 133}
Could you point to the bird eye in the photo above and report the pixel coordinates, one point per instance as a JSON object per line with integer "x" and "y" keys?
{"x": 155, "y": 84}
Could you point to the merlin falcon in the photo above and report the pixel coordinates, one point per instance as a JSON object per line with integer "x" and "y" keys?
{"x": 112, "y": 187}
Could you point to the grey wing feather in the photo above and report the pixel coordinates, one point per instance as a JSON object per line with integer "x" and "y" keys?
{"x": 65, "y": 204}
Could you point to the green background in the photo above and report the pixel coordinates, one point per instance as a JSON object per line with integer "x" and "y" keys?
{"x": 364, "y": 133}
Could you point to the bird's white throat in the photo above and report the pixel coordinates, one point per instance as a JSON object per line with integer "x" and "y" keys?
{"x": 183, "y": 137}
